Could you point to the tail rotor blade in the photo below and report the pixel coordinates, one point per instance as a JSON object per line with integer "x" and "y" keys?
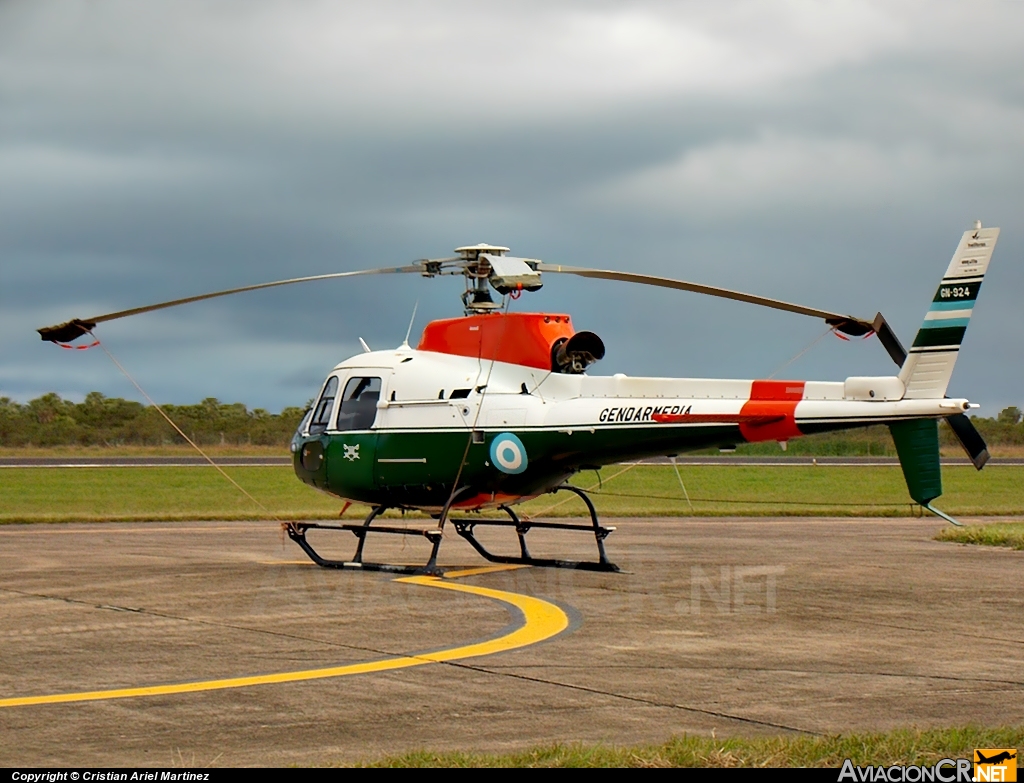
{"x": 970, "y": 439}
{"x": 962, "y": 426}
{"x": 887, "y": 337}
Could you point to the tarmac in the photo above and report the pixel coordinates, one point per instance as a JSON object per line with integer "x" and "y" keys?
{"x": 212, "y": 643}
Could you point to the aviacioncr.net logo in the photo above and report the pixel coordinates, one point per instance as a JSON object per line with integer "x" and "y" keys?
{"x": 945, "y": 771}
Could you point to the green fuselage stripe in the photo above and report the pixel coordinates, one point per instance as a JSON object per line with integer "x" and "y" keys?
{"x": 416, "y": 468}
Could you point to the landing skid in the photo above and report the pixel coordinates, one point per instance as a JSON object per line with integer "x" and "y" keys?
{"x": 297, "y": 533}
{"x": 464, "y": 527}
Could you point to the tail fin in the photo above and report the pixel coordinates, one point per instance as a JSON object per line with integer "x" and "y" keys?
{"x": 929, "y": 363}
{"x": 917, "y": 443}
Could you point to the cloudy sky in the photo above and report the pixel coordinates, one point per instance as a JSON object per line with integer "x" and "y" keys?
{"x": 827, "y": 153}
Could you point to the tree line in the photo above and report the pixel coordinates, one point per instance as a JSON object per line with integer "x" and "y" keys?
{"x": 112, "y": 421}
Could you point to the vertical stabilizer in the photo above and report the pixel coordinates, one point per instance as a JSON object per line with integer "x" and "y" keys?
{"x": 929, "y": 363}
{"x": 917, "y": 443}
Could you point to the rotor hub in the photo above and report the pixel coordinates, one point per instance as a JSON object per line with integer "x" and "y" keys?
{"x": 472, "y": 252}
{"x": 477, "y": 298}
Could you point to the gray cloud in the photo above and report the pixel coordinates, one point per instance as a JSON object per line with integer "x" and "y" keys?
{"x": 826, "y": 153}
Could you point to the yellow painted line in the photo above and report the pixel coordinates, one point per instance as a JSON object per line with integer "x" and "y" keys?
{"x": 541, "y": 620}
{"x": 480, "y": 570}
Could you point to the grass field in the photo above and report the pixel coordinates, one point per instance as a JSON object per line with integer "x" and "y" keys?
{"x": 1010, "y": 534}
{"x": 142, "y": 494}
{"x": 901, "y": 747}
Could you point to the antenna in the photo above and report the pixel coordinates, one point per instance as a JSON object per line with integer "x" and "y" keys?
{"x": 366, "y": 348}
{"x": 405, "y": 343}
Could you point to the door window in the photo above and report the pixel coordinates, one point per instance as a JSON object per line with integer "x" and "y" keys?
{"x": 359, "y": 404}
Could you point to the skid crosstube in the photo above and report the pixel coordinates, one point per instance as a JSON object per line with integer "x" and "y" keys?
{"x": 464, "y": 527}
{"x": 297, "y": 533}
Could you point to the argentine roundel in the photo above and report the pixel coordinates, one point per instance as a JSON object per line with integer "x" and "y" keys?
{"x": 508, "y": 454}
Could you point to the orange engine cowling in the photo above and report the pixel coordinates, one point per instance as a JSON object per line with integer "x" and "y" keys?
{"x": 516, "y": 338}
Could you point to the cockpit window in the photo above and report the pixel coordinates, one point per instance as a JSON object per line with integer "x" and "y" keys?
{"x": 297, "y": 437}
{"x": 305, "y": 421}
{"x": 322, "y": 410}
{"x": 359, "y": 404}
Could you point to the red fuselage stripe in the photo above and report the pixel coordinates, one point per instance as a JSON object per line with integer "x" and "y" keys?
{"x": 775, "y": 399}
{"x": 713, "y": 418}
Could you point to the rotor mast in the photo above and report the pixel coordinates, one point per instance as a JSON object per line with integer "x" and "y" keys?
{"x": 477, "y": 297}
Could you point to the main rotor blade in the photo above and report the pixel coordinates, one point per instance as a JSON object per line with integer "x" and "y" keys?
{"x": 76, "y": 327}
{"x": 848, "y": 324}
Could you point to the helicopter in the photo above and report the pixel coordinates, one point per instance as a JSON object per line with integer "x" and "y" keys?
{"x": 493, "y": 408}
